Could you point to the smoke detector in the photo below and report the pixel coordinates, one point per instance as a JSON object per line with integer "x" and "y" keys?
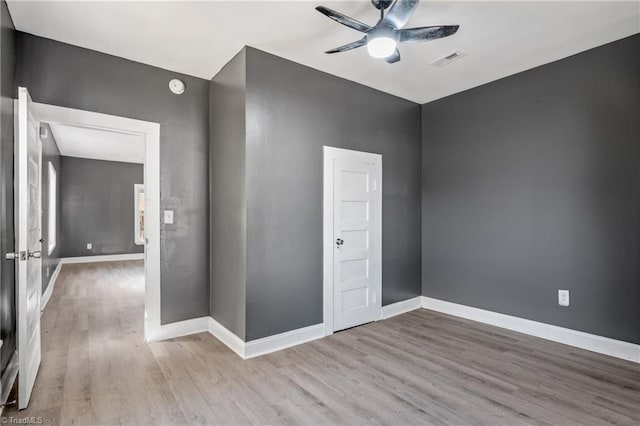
{"x": 446, "y": 60}
{"x": 176, "y": 86}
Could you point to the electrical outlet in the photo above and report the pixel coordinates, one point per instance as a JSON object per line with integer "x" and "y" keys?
{"x": 168, "y": 217}
{"x": 89, "y": 246}
{"x": 47, "y": 272}
{"x": 563, "y": 297}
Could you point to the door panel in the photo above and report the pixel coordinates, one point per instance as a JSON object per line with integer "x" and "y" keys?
{"x": 356, "y": 287}
{"x": 28, "y": 269}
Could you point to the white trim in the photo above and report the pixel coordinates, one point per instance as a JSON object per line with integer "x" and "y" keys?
{"x": 281, "y": 341}
{"x": 329, "y": 155}
{"x": 52, "y": 282}
{"x": 137, "y": 188}
{"x": 327, "y": 246}
{"x": 151, "y": 132}
{"x": 567, "y": 336}
{"x": 52, "y": 207}
{"x": 102, "y": 258}
{"x": 266, "y": 345}
{"x": 179, "y": 329}
{"x": 227, "y": 337}
{"x": 402, "y": 307}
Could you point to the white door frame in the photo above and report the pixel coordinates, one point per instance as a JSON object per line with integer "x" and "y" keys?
{"x": 151, "y": 133}
{"x": 331, "y": 154}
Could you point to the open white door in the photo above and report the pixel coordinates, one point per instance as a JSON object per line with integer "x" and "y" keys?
{"x": 28, "y": 155}
{"x": 353, "y": 223}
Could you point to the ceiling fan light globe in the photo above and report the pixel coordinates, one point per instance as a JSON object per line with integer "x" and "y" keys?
{"x": 381, "y": 47}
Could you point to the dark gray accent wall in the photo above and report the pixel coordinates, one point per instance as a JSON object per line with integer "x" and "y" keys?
{"x": 227, "y": 196}
{"x": 97, "y": 199}
{"x": 292, "y": 112}
{"x": 532, "y": 184}
{"x": 60, "y": 74}
{"x": 50, "y": 154}
{"x": 8, "y": 92}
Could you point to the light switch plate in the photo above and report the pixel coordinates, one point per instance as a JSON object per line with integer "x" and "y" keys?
{"x": 89, "y": 246}
{"x": 168, "y": 217}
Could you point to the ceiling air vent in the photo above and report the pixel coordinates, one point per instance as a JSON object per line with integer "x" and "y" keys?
{"x": 451, "y": 57}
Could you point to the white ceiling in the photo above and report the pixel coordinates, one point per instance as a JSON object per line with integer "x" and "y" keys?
{"x": 198, "y": 38}
{"x": 98, "y": 144}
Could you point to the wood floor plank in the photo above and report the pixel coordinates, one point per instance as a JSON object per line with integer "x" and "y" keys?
{"x": 422, "y": 367}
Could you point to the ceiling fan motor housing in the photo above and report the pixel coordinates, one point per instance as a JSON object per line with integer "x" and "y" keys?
{"x": 381, "y": 4}
{"x": 382, "y": 31}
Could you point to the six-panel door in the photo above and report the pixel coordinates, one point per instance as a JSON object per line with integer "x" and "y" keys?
{"x": 356, "y": 298}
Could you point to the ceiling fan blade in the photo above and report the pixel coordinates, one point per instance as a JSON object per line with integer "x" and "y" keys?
{"x": 416, "y": 35}
{"x": 344, "y": 19}
{"x": 399, "y": 13}
{"x": 395, "y": 57}
{"x": 349, "y": 46}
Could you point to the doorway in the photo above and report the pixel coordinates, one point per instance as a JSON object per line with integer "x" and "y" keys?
{"x": 151, "y": 133}
{"x": 33, "y": 121}
{"x": 352, "y": 238}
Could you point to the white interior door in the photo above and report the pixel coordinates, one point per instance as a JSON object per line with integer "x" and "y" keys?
{"x": 357, "y": 288}
{"x": 28, "y": 154}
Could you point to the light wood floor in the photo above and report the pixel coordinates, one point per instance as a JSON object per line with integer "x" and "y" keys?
{"x": 418, "y": 368}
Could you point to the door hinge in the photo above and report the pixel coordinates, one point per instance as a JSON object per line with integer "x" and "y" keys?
{"x": 375, "y": 185}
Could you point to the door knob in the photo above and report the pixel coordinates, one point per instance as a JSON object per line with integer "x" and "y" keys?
{"x": 35, "y": 254}
{"x": 19, "y": 255}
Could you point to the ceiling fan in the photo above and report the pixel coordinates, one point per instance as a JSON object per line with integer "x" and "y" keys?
{"x": 382, "y": 39}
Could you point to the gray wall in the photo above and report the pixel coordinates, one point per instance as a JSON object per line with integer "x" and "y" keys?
{"x": 292, "y": 111}
{"x": 227, "y": 196}
{"x": 8, "y": 92}
{"x": 97, "y": 199}
{"x": 60, "y": 74}
{"x": 532, "y": 184}
{"x": 50, "y": 153}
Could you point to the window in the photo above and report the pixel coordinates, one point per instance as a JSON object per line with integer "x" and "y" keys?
{"x": 53, "y": 208}
{"x": 139, "y": 213}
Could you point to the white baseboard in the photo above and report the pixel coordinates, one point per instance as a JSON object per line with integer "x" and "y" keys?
{"x": 49, "y": 291}
{"x": 402, "y": 307}
{"x": 265, "y": 345}
{"x": 284, "y": 340}
{"x": 227, "y": 337}
{"x": 269, "y": 344}
{"x": 567, "y": 336}
{"x": 179, "y": 329}
{"x": 103, "y": 258}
